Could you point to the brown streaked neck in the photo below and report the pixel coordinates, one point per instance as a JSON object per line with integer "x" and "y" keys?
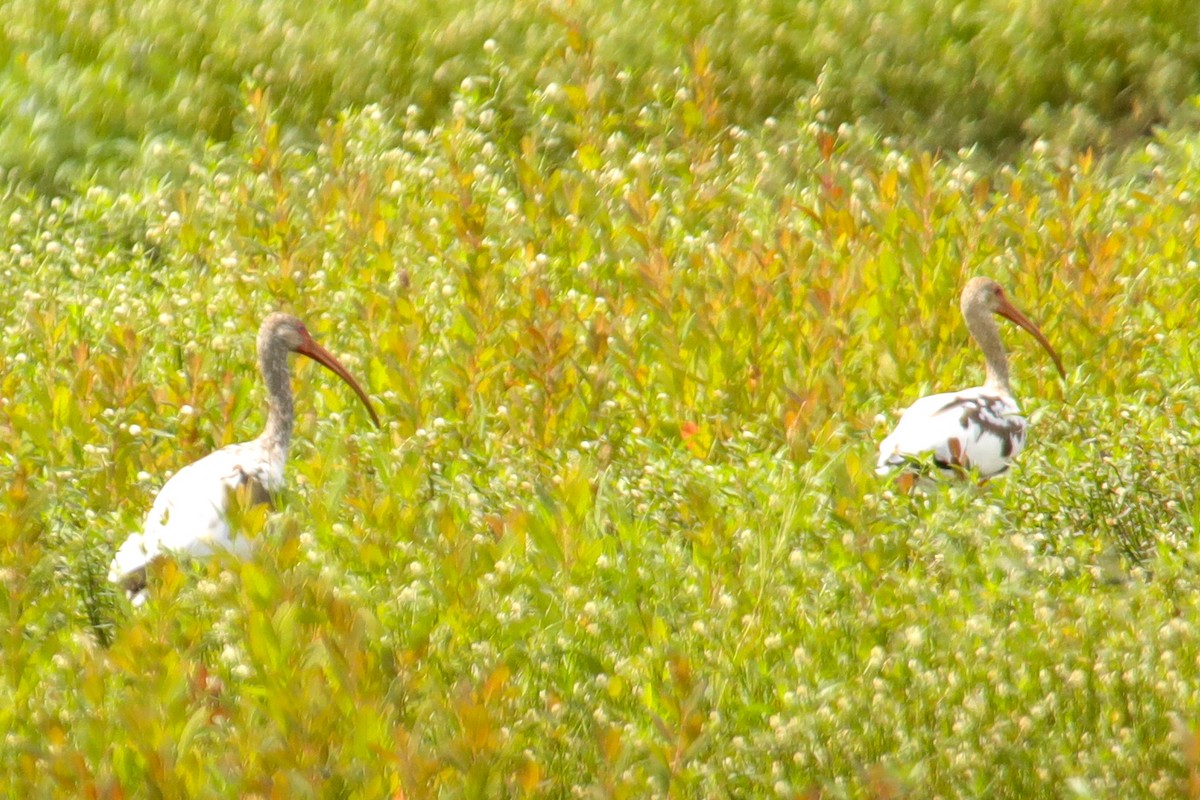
{"x": 986, "y": 333}
{"x": 273, "y": 362}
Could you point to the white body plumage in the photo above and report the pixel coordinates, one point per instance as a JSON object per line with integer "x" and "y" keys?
{"x": 190, "y": 515}
{"x": 979, "y": 429}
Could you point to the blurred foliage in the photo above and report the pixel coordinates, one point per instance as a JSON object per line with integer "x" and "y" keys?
{"x": 86, "y": 84}
{"x": 620, "y": 534}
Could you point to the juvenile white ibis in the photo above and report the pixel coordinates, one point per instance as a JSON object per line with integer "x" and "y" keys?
{"x": 979, "y": 429}
{"x": 190, "y": 515}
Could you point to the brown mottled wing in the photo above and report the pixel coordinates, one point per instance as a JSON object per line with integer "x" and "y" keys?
{"x": 984, "y": 415}
{"x": 976, "y": 428}
{"x": 252, "y": 488}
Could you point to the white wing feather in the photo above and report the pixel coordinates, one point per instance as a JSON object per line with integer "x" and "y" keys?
{"x": 190, "y": 514}
{"x": 984, "y": 426}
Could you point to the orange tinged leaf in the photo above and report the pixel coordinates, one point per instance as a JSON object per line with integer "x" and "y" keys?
{"x": 792, "y": 420}
{"x": 887, "y": 186}
{"x": 495, "y": 682}
{"x": 825, "y": 142}
{"x": 610, "y": 744}
{"x": 1086, "y": 161}
{"x": 529, "y": 775}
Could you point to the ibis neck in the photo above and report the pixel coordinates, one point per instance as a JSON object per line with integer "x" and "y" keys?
{"x": 987, "y": 335}
{"x": 278, "y": 432}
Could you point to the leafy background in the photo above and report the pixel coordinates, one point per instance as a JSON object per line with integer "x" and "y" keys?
{"x": 637, "y": 287}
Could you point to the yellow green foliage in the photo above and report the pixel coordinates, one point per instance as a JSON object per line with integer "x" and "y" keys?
{"x": 83, "y": 83}
{"x": 620, "y": 533}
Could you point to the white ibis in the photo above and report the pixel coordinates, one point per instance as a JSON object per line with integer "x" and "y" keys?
{"x": 979, "y": 429}
{"x": 190, "y": 514}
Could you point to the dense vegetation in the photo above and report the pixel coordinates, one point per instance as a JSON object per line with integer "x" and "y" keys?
{"x": 86, "y": 83}
{"x": 637, "y": 288}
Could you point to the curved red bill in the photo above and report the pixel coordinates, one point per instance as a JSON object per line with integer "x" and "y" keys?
{"x": 1009, "y": 311}
{"x": 323, "y": 357}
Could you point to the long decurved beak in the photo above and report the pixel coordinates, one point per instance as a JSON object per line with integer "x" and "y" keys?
{"x": 1010, "y": 312}
{"x": 310, "y": 348}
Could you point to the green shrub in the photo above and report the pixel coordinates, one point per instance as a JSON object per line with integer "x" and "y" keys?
{"x": 85, "y": 85}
